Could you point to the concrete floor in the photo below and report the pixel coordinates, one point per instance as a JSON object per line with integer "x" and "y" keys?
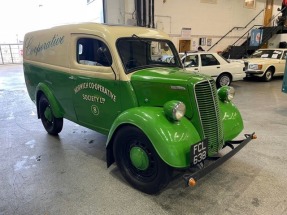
{"x": 41, "y": 174}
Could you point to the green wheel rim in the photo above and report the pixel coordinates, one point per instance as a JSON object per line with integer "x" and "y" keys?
{"x": 139, "y": 158}
{"x": 48, "y": 114}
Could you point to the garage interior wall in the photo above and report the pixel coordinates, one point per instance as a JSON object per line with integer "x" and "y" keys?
{"x": 210, "y": 21}
{"x": 114, "y": 11}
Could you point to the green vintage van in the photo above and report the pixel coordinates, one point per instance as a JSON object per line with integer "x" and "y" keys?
{"x": 129, "y": 83}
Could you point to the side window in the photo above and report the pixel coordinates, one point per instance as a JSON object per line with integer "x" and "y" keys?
{"x": 191, "y": 61}
{"x": 284, "y": 55}
{"x": 93, "y": 52}
{"x": 208, "y": 60}
{"x": 277, "y": 54}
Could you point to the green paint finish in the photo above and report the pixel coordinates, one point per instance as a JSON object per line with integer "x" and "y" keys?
{"x": 56, "y": 85}
{"x": 170, "y": 75}
{"x": 171, "y": 140}
{"x": 33, "y": 76}
{"x": 88, "y": 101}
{"x": 96, "y": 102}
{"x": 232, "y": 120}
{"x": 128, "y": 97}
{"x": 105, "y": 105}
{"x": 139, "y": 158}
{"x": 155, "y": 87}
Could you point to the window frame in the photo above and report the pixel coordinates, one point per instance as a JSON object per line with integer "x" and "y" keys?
{"x": 177, "y": 62}
{"x": 92, "y": 41}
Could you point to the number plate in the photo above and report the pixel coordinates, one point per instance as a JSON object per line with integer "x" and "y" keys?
{"x": 198, "y": 152}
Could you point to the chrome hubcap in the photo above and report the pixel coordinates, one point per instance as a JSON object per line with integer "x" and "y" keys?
{"x": 224, "y": 81}
{"x": 268, "y": 75}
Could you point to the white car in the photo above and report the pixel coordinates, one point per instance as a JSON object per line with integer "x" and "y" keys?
{"x": 214, "y": 65}
{"x": 266, "y": 63}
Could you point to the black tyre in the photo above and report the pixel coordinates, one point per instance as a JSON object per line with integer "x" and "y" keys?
{"x": 268, "y": 75}
{"x": 138, "y": 161}
{"x": 52, "y": 124}
{"x": 223, "y": 80}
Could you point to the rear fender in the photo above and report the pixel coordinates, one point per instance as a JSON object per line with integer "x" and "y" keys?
{"x": 56, "y": 108}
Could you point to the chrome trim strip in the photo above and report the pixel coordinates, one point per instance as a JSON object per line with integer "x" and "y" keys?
{"x": 194, "y": 93}
{"x": 219, "y": 134}
{"x": 217, "y": 117}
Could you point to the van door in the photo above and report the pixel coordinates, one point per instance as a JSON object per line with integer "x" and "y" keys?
{"x": 96, "y": 90}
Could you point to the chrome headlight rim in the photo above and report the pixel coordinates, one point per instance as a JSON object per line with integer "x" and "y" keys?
{"x": 174, "y": 110}
{"x": 226, "y": 93}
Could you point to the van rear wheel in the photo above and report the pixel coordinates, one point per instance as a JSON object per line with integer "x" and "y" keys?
{"x": 52, "y": 124}
{"x": 138, "y": 161}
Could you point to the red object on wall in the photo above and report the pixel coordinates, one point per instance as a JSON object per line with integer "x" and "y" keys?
{"x": 284, "y": 2}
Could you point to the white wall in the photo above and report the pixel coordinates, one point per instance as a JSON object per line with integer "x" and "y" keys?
{"x": 208, "y": 20}
{"x": 18, "y": 17}
{"x": 205, "y": 20}
{"x": 94, "y": 12}
{"x": 115, "y": 11}
{"x": 274, "y": 41}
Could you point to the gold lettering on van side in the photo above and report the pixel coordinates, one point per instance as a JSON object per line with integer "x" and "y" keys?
{"x": 32, "y": 49}
{"x": 97, "y": 87}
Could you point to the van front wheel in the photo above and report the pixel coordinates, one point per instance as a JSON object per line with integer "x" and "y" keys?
{"x": 52, "y": 124}
{"x": 138, "y": 161}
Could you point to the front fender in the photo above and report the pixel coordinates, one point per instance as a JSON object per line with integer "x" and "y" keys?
{"x": 56, "y": 107}
{"x": 231, "y": 119}
{"x": 171, "y": 140}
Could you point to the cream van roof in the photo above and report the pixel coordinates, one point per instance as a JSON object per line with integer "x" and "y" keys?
{"x": 110, "y": 31}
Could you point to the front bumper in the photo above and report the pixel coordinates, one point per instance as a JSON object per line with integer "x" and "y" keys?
{"x": 190, "y": 179}
{"x": 254, "y": 72}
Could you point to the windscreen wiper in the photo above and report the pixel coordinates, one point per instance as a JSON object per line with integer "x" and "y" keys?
{"x": 141, "y": 39}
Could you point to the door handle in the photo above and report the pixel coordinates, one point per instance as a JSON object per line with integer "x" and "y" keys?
{"x": 218, "y": 67}
{"x": 195, "y": 69}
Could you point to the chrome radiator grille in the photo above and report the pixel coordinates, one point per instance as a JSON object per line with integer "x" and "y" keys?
{"x": 207, "y": 102}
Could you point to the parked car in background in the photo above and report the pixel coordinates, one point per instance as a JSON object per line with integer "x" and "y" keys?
{"x": 284, "y": 83}
{"x": 266, "y": 63}
{"x": 214, "y": 65}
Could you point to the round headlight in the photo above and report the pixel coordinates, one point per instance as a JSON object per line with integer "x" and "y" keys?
{"x": 230, "y": 93}
{"x": 226, "y": 93}
{"x": 174, "y": 110}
